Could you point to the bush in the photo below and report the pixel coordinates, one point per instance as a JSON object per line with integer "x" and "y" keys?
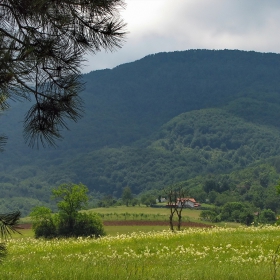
{"x": 68, "y": 222}
{"x": 43, "y": 222}
{"x": 267, "y": 216}
{"x": 211, "y": 215}
{"x": 88, "y": 225}
{"x": 84, "y": 225}
{"x": 247, "y": 218}
{"x": 46, "y": 229}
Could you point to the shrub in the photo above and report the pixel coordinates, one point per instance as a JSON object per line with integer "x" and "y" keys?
{"x": 68, "y": 222}
{"x": 88, "y": 225}
{"x": 267, "y": 216}
{"x": 46, "y": 229}
{"x": 247, "y": 218}
{"x": 42, "y": 222}
{"x": 84, "y": 225}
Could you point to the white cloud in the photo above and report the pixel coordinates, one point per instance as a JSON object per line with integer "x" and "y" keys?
{"x": 170, "y": 25}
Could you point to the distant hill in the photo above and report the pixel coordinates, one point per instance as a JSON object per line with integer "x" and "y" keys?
{"x": 159, "y": 120}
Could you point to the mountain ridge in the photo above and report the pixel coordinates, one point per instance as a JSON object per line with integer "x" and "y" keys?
{"x": 128, "y": 107}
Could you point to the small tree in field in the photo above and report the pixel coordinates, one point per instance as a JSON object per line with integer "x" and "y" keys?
{"x": 72, "y": 199}
{"x": 69, "y": 221}
{"x": 148, "y": 199}
{"x": 176, "y": 205}
{"x": 127, "y": 195}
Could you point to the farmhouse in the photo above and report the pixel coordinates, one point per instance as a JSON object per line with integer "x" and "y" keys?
{"x": 187, "y": 202}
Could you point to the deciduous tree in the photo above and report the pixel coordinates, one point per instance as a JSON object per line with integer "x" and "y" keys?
{"x": 73, "y": 197}
{"x": 127, "y": 195}
{"x": 69, "y": 222}
{"x": 176, "y": 203}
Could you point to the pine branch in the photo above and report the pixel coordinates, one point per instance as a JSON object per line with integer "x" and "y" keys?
{"x": 8, "y": 223}
{"x": 42, "y": 45}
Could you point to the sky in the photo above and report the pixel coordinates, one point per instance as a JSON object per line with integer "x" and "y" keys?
{"x": 176, "y": 25}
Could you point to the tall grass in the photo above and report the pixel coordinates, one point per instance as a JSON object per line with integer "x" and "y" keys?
{"x": 215, "y": 253}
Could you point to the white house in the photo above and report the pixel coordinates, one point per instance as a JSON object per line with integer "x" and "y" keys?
{"x": 187, "y": 202}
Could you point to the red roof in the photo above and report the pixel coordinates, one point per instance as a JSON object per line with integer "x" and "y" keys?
{"x": 186, "y": 199}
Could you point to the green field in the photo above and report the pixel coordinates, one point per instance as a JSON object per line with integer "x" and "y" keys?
{"x": 123, "y": 213}
{"x": 215, "y": 253}
{"x": 142, "y": 213}
{"x": 136, "y": 213}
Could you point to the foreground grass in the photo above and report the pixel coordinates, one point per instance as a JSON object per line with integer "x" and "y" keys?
{"x": 218, "y": 253}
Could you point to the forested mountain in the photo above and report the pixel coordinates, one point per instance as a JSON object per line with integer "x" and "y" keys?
{"x": 166, "y": 118}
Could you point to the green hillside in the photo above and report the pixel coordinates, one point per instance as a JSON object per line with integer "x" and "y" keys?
{"x": 198, "y": 142}
{"x": 166, "y": 118}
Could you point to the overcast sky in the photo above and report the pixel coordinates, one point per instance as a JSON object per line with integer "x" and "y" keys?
{"x": 175, "y": 25}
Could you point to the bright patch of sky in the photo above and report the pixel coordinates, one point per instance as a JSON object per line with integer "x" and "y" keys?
{"x": 175, "y": 25}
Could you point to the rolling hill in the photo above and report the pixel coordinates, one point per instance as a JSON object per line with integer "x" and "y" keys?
{"x": 165, "y": 118}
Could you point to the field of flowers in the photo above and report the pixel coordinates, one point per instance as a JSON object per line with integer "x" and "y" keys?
{"x": 195, "y": 253}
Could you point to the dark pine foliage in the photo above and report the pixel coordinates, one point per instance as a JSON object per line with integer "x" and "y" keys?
{"x": 42, "y": 47}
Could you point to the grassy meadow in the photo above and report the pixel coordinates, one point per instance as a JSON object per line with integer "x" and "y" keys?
{"x": 136, "y": 213}
{"x": 147, "y": 252}
{"x": 195, "y": 253}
